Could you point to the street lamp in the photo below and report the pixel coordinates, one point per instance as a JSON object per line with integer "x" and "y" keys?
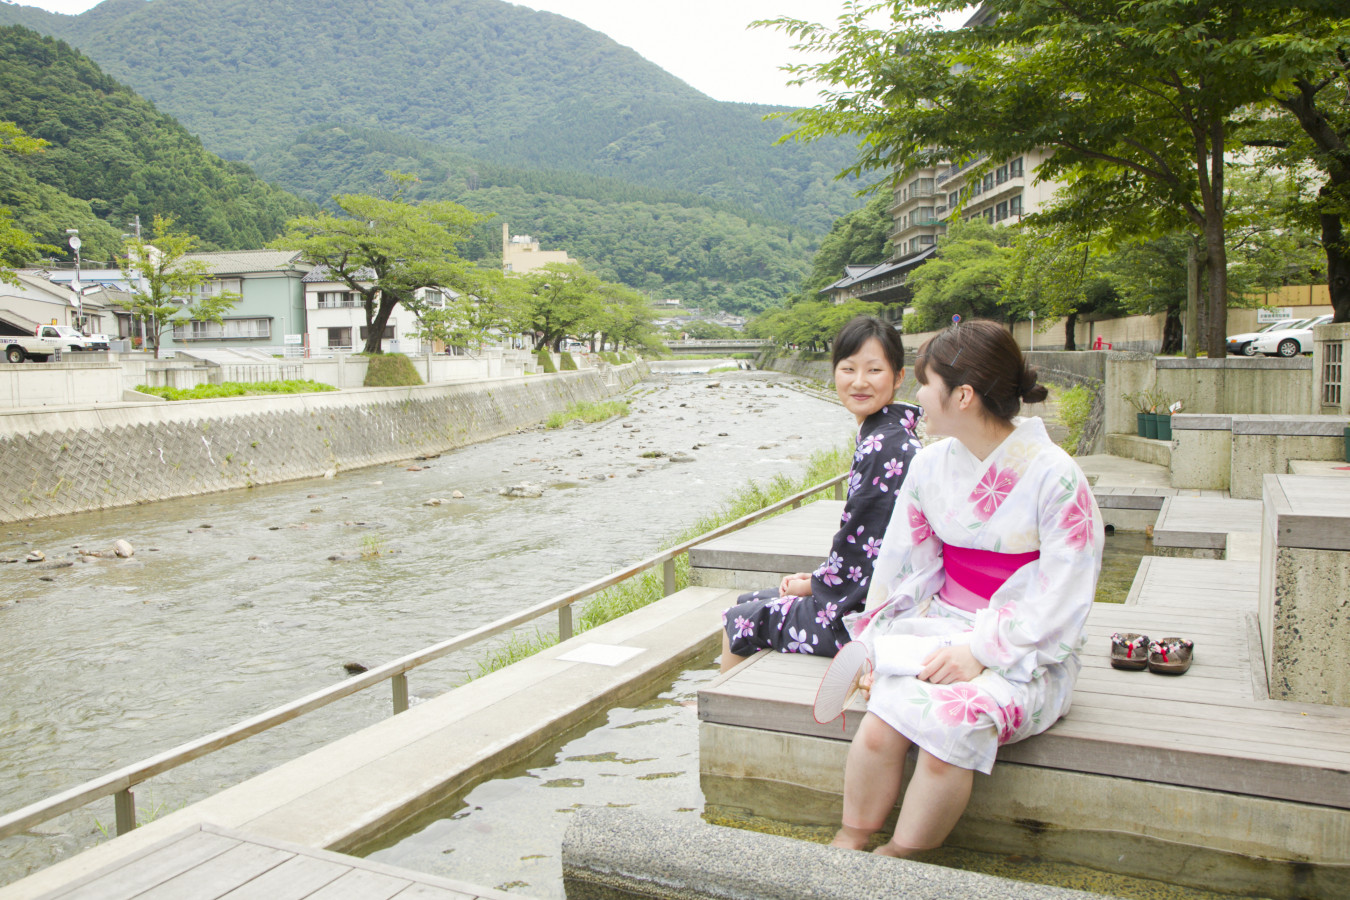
{"x": 75, "y": 285}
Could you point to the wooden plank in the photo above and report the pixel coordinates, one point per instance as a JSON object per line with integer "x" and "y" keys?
{"x": 140, "y": 872}
{"x": 295, "y": 879}
{"x": 419, "y": 891}
{"x": 361, "y": 884}
{"x": 220, "y": 874}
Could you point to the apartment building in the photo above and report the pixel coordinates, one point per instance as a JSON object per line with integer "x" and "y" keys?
{"x": 928, "y": 199}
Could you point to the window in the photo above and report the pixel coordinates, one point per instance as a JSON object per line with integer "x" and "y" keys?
{"x": 228, "y": 330}
{"x": 923, "y": 215}
{"x": 339, "y": 337}
{"x": 1001, "y": 174}
{"x": 1015, "y": 168}
{"x": 926, "y": 240}
{"x": 338, "y": 299}
{"x": 989, "y": 215}
{"x": 989, "y": 182}
{"x": 975, "y": 188}
{"x": 220, "y": 286}
{"x": 1015, "y": 206}
{"x": 387, "y": 336}
{"x": 1002, "y": 211}
{"x": 952, "y": 199}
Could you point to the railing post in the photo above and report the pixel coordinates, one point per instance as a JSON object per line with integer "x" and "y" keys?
{"x": 400, "y": 683}
{"x": 668, "y": 578}
{"x": 839, "y": 490}
{"x": 564, "y": 623}
{"x": 796, "y": 504}
{"x": 124, "y": 808}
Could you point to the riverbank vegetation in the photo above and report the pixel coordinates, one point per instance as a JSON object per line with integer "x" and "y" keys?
{"x": 648, "y": 587}
{"x": 236, "y": 389}
{"x": 588, "y": 412}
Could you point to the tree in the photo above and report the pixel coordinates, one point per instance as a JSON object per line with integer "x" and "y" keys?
{"x": 468, "y": 321}
{"x": 1136, "y": 100}
{"x": 165, "y": 285}
{"x": 965, "y": 277}
{"x": 561, "y": 299}
{"x": 386, "y": 250}
{"x": 1315, "y": 134}
{"x": 16, "y": 245}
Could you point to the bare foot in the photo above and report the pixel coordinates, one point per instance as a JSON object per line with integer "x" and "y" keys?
{"x": 892, "y": 849}
{"x": 851, "y": 838}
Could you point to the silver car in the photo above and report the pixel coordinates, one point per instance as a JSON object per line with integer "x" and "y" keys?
{"x": 1290, "y": 342}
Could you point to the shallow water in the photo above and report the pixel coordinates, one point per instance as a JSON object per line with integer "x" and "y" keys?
{"x": 231, "y": 604}
{"x": 645, "y": 756}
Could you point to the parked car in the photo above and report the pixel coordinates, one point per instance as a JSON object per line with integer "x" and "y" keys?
{"x": 66, "y": 337}
{"x": 97, "y": 341}
{"x": 1241, "y": 344}
{"x": 1289, "y": 342}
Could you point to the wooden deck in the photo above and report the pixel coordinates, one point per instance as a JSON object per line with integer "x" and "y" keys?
{"x": 1213, "y": 728}
{"x": 210, "y": 863}
{"x": 1204, "y": 523}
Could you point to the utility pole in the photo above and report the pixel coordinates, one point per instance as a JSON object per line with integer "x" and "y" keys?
{"x": 75, "y": 285}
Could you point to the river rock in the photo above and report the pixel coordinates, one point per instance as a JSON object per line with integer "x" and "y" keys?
{"x": 435, "y": 501}
{"x": 769, "y": 446}
{"x": 355, "y": 668}
{"x": 713, "y": 384}
{"x": 35, "y": 557}
{"x": 124, "y": 549}
{"x": 457, "y": 495}
{"x": 57, "y": 564}
{"x": 523, "y": 489}
{"x": 345, "y": 556}
{"x": 679, "y": 456}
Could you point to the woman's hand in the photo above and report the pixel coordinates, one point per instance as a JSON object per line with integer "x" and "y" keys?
{"x": 949, "y": 665}
{"x": 865, "y": 681}
{"x": 798, "y": 585}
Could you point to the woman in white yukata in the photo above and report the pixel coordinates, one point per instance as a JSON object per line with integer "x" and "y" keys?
{"x": 975, "y": 615}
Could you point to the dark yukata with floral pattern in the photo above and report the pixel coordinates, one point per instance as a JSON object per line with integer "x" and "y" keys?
{"x": 764, "y": 620}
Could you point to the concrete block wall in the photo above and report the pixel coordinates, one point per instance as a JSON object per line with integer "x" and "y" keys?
{"x": 56, "y": 462}
{"x": 31, "y": 384}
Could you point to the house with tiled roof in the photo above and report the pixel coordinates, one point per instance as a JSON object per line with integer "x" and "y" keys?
{"x": 271, "y": 304}
{"x": 336, "y": 316}
{"x": 38, "y": 299}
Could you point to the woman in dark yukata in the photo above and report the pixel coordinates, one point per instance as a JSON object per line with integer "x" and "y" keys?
{"x": 805, "y": 613}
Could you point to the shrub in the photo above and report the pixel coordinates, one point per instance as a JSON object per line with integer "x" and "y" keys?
{"x": 588, "y": 412}
{"x": 567, "y": 363}
{"x": 391, "y": 370}
{"x": 546, "y": 362}
{"x": 1075, "y": 405}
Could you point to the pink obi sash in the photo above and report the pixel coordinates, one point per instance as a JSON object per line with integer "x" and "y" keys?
{"x": 974, "y": 575}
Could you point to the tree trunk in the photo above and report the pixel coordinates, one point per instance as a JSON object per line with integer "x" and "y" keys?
{"x": 1191, "y": 330}
{"x": 1070, "y": 326}
{"x": 1216, "y": 258}
{"x": 1172, "y": 332}
{"x": 375, "y": 330}
{"x": 1338, "y": 265}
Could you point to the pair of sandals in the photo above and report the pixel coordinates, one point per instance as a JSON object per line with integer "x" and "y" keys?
{"x": 1166, "y": 656}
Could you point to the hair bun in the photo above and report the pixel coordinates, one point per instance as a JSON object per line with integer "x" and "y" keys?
{"x": 1030, "y": 389}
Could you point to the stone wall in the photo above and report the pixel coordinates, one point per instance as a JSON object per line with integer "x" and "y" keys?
{"x": 63, "y": 461}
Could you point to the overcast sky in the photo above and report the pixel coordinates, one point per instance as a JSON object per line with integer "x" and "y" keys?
{"x": 704, "y": 42}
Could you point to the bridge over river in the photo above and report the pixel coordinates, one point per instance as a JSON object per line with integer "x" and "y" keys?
{"x": 718, "y": 345}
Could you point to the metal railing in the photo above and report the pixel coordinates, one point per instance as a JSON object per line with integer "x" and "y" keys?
{"x": 119, "y": 783}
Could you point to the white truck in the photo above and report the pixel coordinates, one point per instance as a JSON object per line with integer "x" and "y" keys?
{"x": 48, "y": 340}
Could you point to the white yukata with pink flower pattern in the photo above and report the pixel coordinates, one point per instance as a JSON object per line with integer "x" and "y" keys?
{"x": 1028, "y": 495}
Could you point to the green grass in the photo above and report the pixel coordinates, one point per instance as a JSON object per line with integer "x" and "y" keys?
{"x": 1075, "y": 405}
{"x": 588, "y": 412}
{"x": 391, "y": 370}
{"x": 648, "y": 587}
{"x": 546, "y": 362}
{"x": 566, "y": 363}
{"x": 714, "y": 370}
{"x": 235, "y": 389}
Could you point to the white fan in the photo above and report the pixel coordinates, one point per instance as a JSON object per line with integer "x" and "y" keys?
{"x": 840, "y": 684}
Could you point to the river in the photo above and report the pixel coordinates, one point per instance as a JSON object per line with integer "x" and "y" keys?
{"x": 232, "y": 605}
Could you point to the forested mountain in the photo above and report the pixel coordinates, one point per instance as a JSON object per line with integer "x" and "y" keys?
{"x": 113, "y": 156}
{"x": 497, "y": 81}
{"x": 669, "y": 243}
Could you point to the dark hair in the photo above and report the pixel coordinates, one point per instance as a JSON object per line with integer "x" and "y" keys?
{"x": 984, "y": 355}
{"x": 857, "y": 332}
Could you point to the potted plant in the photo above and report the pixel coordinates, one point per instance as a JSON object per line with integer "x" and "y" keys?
{"x": 1151, "y": 400}
{"x": 1136, "y": 400}
{"x": 1165, "y": 419}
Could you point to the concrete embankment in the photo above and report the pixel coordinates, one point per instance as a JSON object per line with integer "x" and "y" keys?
{"x": 54, "y": 462}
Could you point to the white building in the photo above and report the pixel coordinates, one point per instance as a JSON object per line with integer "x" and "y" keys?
{"x": 336, "y": 318}
{"x": 521, "y": 253}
